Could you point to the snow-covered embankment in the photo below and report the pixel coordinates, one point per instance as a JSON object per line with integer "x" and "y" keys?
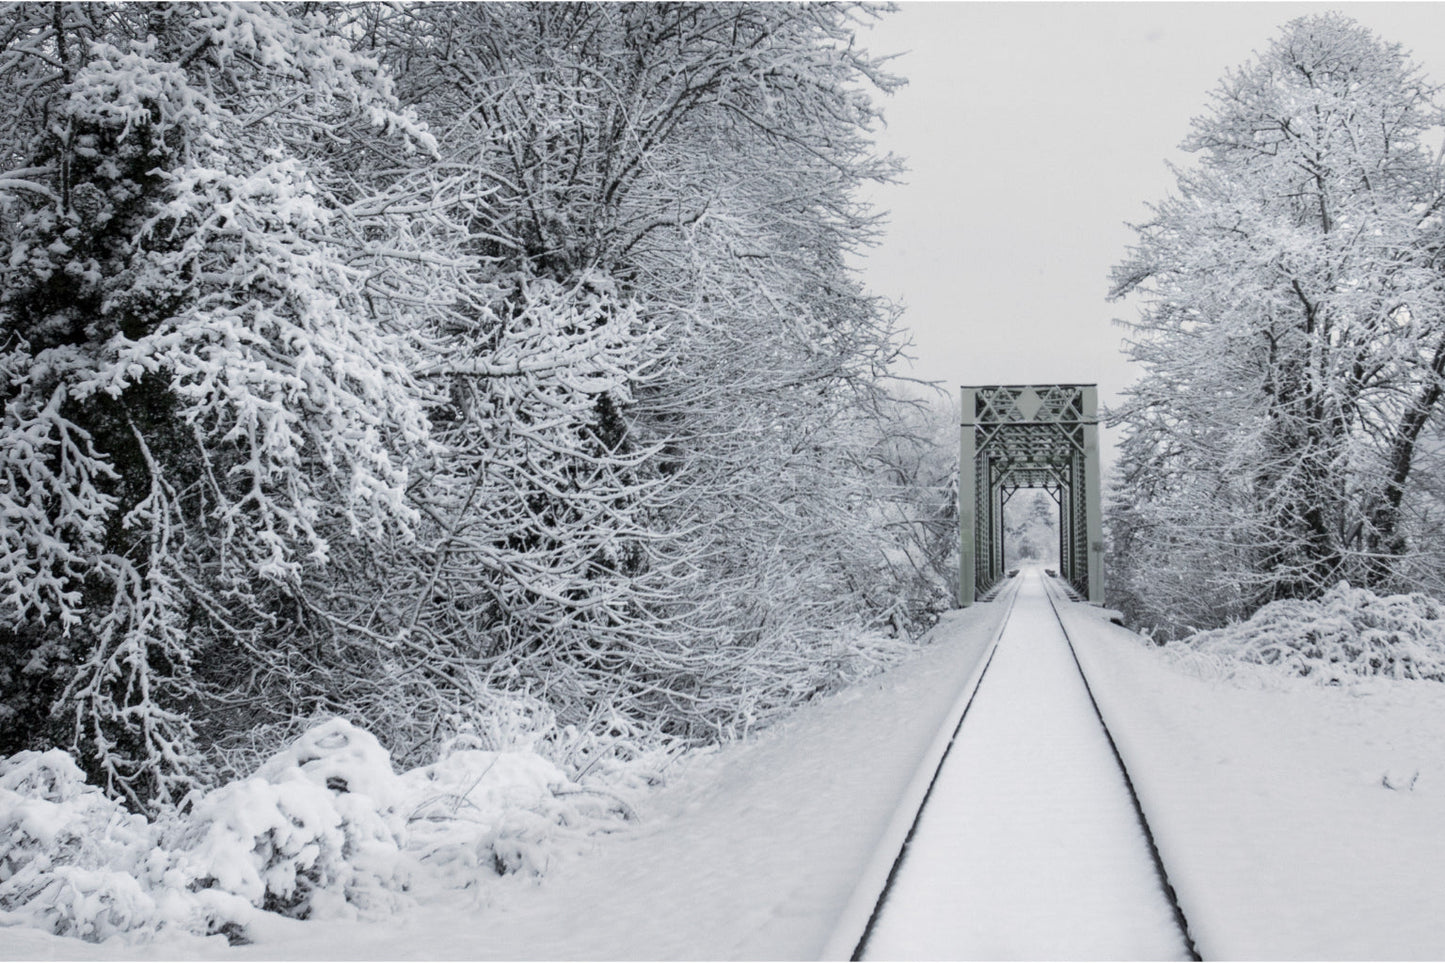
{"x": 1296, "y": 820}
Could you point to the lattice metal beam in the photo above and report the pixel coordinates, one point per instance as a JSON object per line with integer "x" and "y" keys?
{"x": 1029, "y": 436}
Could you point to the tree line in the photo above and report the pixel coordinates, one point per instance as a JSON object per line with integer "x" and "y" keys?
{"x": 385, "y": 360}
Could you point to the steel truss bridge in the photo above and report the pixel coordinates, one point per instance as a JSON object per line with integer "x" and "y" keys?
{"x": 1029, "y": 436}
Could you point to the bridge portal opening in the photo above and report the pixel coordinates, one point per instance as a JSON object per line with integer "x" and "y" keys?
{"x": 1018, "y": 437}
{"x": 1031, "y": 528}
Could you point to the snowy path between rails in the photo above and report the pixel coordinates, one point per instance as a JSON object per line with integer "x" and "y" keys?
{"x": 1029, "y": 847}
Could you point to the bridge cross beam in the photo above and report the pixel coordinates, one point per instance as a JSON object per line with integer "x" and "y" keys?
{"x": 1029, "y": 436}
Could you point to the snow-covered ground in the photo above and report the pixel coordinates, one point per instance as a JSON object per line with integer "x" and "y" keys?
{"x": 1296, "y": 820}
{"x": 752, "y": 852}
{"x": 1029, "y": 847}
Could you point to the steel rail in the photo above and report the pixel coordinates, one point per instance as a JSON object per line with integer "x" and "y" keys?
{"x": 850, "y": 939}
{"x": 1162, "y": 875}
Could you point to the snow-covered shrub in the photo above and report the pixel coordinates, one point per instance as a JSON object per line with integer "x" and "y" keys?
{"x": 476, "y": 809}
{"x": 607, "y": 749}
{"x": 1348, "y": 632}
{"x": 341, "y": 757}
{"x": 281, "y": 847}
{"x": 477, "y": 812}
{"x": 323, "y": 829}
{"x": 312, "y": 833}
{"x": 71, "y": 860}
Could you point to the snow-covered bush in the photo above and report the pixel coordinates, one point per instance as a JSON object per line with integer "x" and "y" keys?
{"x": 69, "y": 856}
{"x": 323, "y": 829}
{"x": 479, "y": 810}
{"x": 313, "y": 833}
{"x": 1348, "y": 632}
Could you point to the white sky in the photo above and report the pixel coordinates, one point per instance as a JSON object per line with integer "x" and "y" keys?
{"x": 1033, "y": 132}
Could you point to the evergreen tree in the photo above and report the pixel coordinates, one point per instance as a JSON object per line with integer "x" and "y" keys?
{"x": 200, "y": 403}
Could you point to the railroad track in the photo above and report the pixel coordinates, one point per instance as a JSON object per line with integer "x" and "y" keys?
{"x": 1056, "y": 589}
{"x": 1024, "y": 758}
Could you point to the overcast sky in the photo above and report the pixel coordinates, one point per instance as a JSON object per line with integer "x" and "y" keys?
{"x": 1033, "y": 132}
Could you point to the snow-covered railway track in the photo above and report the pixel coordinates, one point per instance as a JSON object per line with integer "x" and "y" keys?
{"x": 1028, "y": 840}
{"x": 1056, "y": 595}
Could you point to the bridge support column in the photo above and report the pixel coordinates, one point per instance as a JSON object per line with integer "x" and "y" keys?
{"x": 1093, "y": 519}
{"x": 967, "y": 498}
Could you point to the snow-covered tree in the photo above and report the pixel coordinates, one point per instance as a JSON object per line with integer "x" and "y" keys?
{"x": 201, "y": 401}
{"x": 536, "y": 368}
{"x": 1031, "y": 526}
{"x": 1290, "y": 335}
{"x": 708, "y": 520}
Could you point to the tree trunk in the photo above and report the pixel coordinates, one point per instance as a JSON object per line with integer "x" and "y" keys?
{"x": 1385, "y": 542}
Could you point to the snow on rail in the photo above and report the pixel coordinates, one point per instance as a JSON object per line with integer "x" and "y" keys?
{"x": 1030, "y": 846}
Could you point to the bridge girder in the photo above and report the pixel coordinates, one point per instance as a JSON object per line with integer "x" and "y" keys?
{"x": 1029, "y": 436}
